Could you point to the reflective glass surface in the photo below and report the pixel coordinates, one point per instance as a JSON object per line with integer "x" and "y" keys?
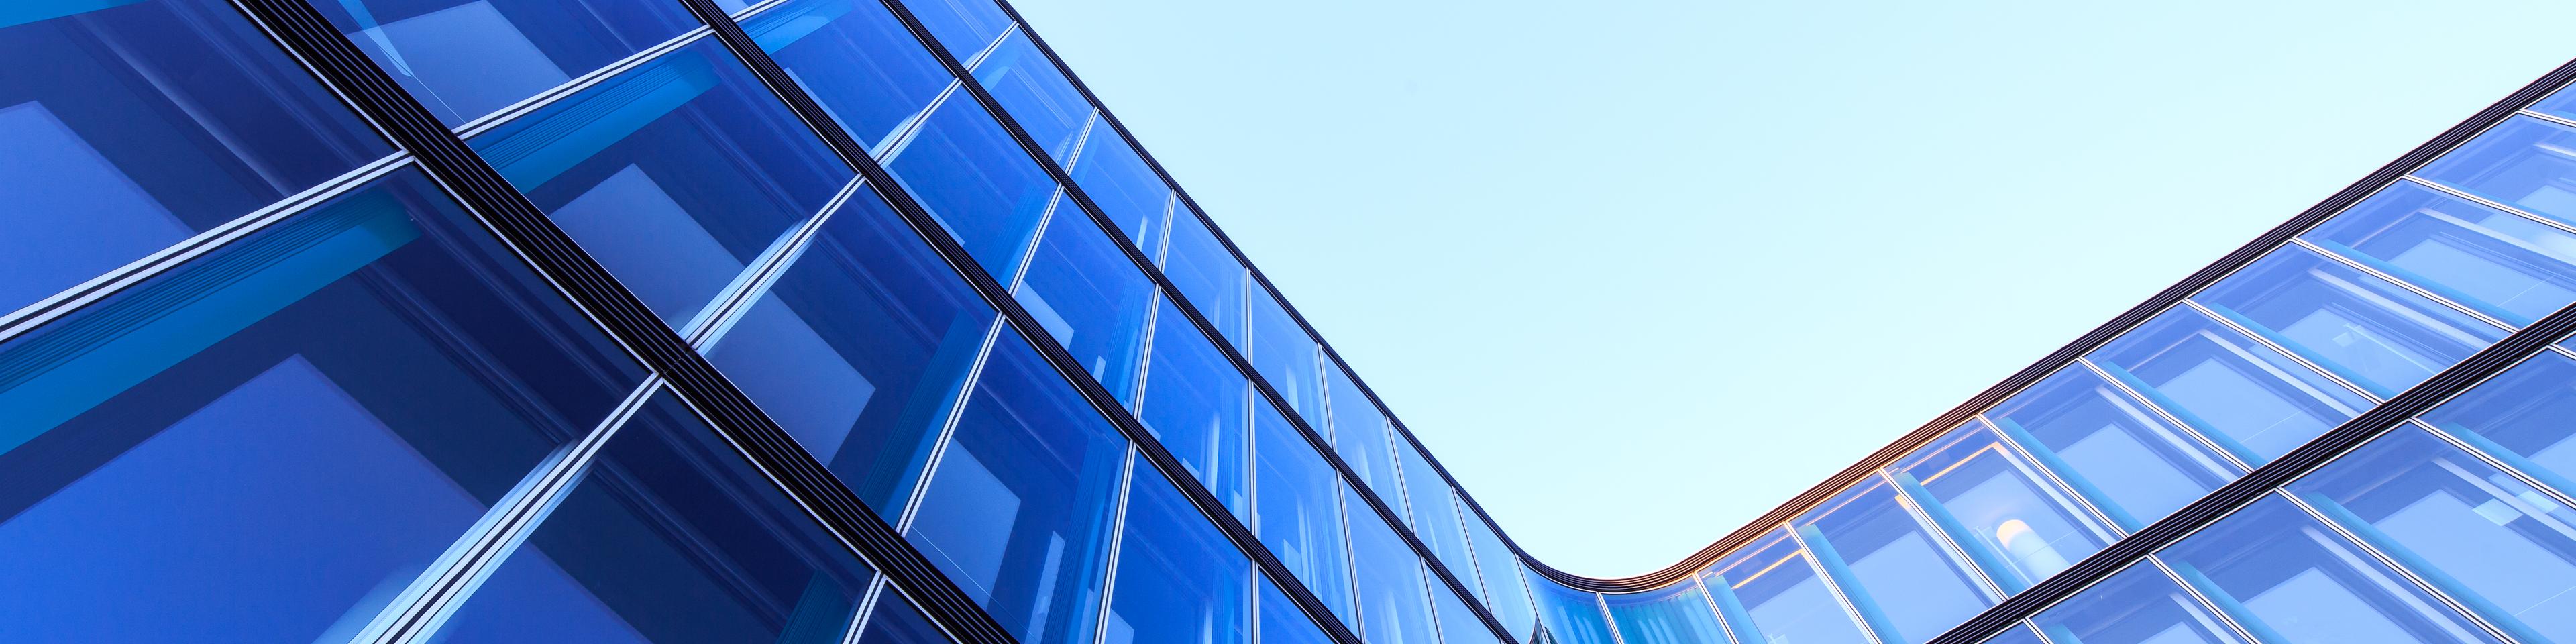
{"x": 967, "y": 172}
{"x": 2523, "y": 162}
{"x": 1207, "y": 275}
{"x": 1036, "y": 95}
{"x": 2285, "y": 577}
{"x": 128, "y": 126}
{"x": 2138, "y": 605}
{"x": 2499, "y": 263}
{"x": 1286, "y": 358}
{"x": 1126, "y": 189}
{"x": 2520, "y": 416}
{"x": 2018, "y": 635}
{"x": 1083, "y": 289}
{"x": 670, "y": 537}
{"x": 895, "y": 621}
{"x": 1769, "y": 591}
{"x": 1018, "y": 508}
{"x": 1434, "y": 516}
{"x": 963, "y": 26}
{"x": 2004, "y": 512}
{"x": 1394, "y": 600}
{"x": 2373, "y": 333}
{"x": 1571, "y": 616}
{"x": 2123, "y": 458}
{"x": 1900, "y": 576}
{"x": 1197, "y": 405}
{"x": 1458, "y": 623}
{"x": 855, "y": 59}
{"x": 1179, "y": 580}
{"x": 675, "y": 175}
{"x": 1282, "y": 623}
{"x": 1361, "y": 435}
{"x": 2560, "y": 103}
{"x": 1504, "y": 594}
{"x": 2242, "y": 395}
{"x": 860, "y": 349}
{"x": 308, "y": 416}
{"x": 1297, "y": 509}
{"x": 1675, "y": 614}
{"x": 467, "y": 58}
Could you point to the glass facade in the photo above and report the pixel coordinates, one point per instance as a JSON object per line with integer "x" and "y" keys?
{"x": 893, "y": 259}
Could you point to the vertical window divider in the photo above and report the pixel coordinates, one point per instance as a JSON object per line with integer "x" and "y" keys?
{"x": 1835, "y": 575}
{"x": 1117, "y": 540}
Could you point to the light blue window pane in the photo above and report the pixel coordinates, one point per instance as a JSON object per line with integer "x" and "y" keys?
{"x": 2138, "y": 605}
{"x": 895, "y": 621}
{"x": 1769, "y": 591}
{"x": 2523, "y": 162}
{"x": 2376, "y": 334}
{"x": 2521, "y": 416}
{"x": 2472, "y": 531}
{"x": 1179, "y": 580}
{"x": 2502, "y": 264}
{"x": 1675, "y": 614}
{"x": 860, "y": 350}
{"x": 1504, "y": 594}
{"x": 1998, "y": 506}
{"x": 1458, "y": 623}
{"x": 127, "y": 126}
{"x": 1126, "y": 189}
{"x": 1091, "y": 299}
{"x": 1287, "y": 358}
{"x": 855, "y": 59}
{"x": 1036, "y": 95}
{"x": 1570, "y": 616}
{"x": 2240, "y": 394}
{"x": 674, "y": 175}
{"x": 1395, "y": 602}
{"x": 975, "y": 181}
{"x": 1207, "y": 275}
{"x": 1434, "y": 516}
{"x": 2018, "y": 635}
{"x": 308, "y": 417}
{"x": 1896, "y": 572}
{"x": 1297, "y": 510}
{"x": 2289, "y": 579}
{"x": 1361, "y": 435}
{"x": 2561, "y": 103}
{"x": 670, "y": 537}
{"x": 1282, "y": 622}
{"x": 963, "y": 26}
{"x": 1017, "y": 511}
{"x": 468, "y": 58}
{"x": 1197, "y": 405}
{"x": 2122, "y": 457}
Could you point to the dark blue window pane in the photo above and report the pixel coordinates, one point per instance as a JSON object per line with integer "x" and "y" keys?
{"x": 1287, "y": 358}
{"x": 307, "y": 417}
{"x": 674, "y": 175}
{"x": 2139, "y": 605}
{"x": 895, "y": 621}
{"x": 1997, "y": 506}
{"x": 1571, "y": 616}
{"x": 963, "y": 26}
{"x": 2287, "y": 578}
{"x": 1675, "y": 614}
{"x": 2521, "y": 416}
{"x": 1360, "y": 434}
{"x": 2376, "y": 334}
{"x": 855, "y": 59}
{"x": 1770, "y": 592}
{"x": 860, "y": 350}
{"x": 1179, "y": 580}
{"x": 2242, "y": 395}
{"x": 1018, "y": 509}
{"x": 1083, "y": 289}
{"x": 2499, "y": 263}
{"x": 1037, "y": 96}
{"x": 1197, "y": 405}
{"x": 467, "y": 58}
{"x": 1298, "y": 509}
{"x": 1902, "y": 579}
{"x": 2126, "y": 460}
{"x": 1458, "y": 623}
{"x": 670, "y": 537}
{"x": 1125, "y": 188}
{"x": 1504, "y": 596}
{"x": 1282, "y": 622}
{"x": 2522, "y": 162}
{"x": 1394, "y": 602}
{"x": 127, "y": 126}
{"x": 1435, "y": 516}
{"x": 1199, "y": 265}
{"x": 975, "y": 181}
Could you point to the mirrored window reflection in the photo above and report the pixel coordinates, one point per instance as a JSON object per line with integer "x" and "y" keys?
{"x": 1036, "y": 95}
{"x": 1207, "y": 275}
{"x": 893, "y": 620}
{"x": 2241, "y": 395}
{"x": 1394, "y": 599}
{"x": 1018, "y": 509}
{"x": 2479, "y": 535}
{"x": 1126, "y": 189}
{"x": 674, "y": 175}
{"x": 1458, "y": 623}
{"x": 975, "y": 181}
{"x": 129, "y": 126}
{"x": 1361, "y": 435}
{"x": 2499, "y": 263}
{"x": 1297, "y": 510}
{"x": 964, "y": 27}
{"x": 1179, "y": 580}
{"x": 670, "y": 537}
{"x": 2374, "y": 333}
{"x": 1675, "y": 614}
{"x": 310, "y": 416}
{"x": 855, "y": 59}
{"x": 2138, "y": 605}
{"x": 2523, "y": 162}
{"x": 1571, "y": 616}
{"x": 1091, "y": 298}
{"x": 1897, "y": 574}
{"x": 2108, "y": 447}
{"x": 2287, "y": 578}
{"x": 1769, "y": 591}
{"x": 467, "y": 58}
{"x": 1504, "y": 595}
{"x": 2002, "y": 510}
{"x": 1282, "y": 622}
{"x": 2520, "y": 417}
{"x": 1196, "y": 404}
{"x": 860, "y": 350}
{"x": 1287, "y": 358}
{"x": 1434, "y": 516}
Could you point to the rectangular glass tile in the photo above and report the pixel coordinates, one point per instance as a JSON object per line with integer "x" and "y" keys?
{"x": 2241, "y": 395}
{"x": 1297, "y": 509}
{"x": 896, "y": 621}
{"x": 2018, "y": 635}
{"x": 1899, "y": 575}
{"x": 2520, "y": 416}
{"x": 1570, "y": 616}
{"x": 1126, "y": 189}
{"x": 1091, "y": 299}
{"x": 965, "y": 27}
{"x": 2559, "y": 103}
{"x": 1393, "y": 596}
{"x": 975, "y": 181}
{"x": 1769, "y": 591}
{"x": 2138, "y": 605}
{"x": 2523, "y": 162}
{"x": 1036, "y": 95}
{"x": 1198, "y": 406}
{"x": 464, "y": 59}
{"x": 2373, "y": 333}
{"x": 2010, "y": 518}
{"x": 1674, "y": 614}
{"x": 2127, "y": 461}
{"x": 1179, "y": 580}
{"x": 855, "y": 59}
{"x": 1458, "y": 623}
{"x": 1362, "y": 436}
{"x": 1504, "y": 595}
{"x": 2287, "y": 578}
{"x": 2506, "y": 266}
{"x": 1280, "y": 349}
{"x": 1281, "y": 622}
{"x": 1207, "y": 275}
{"x": 1434, "y": 516}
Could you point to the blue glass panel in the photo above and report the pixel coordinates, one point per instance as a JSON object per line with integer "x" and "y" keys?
{"x": 860, "y": 350}
{"x": 1287, "y": 358}
{"x": 2139, "y": 605}
{"x": 975, "y": 181}
{"x": 1458, "y": 623}
{"x": 2502, "y": 264}
{"x": 2480, "y": 535}
{"x": 1297, "y": 509}
{"x": 963, "y": 26}
{"x": 1768, "y": 591}
{"x": 308, "y": 417}
{"x": 2561, "y": 103}
{"x": 2521, "y": 416}
{"x": 1434, "y": 516}
{"x": 2376, "y": 334}
{"x": 2247, "y": 397}
{"x": 467, "y": 58}
{"x": 1179, "y": 580}
{"x": 1283, "y": 623}
{"x": 1393, "y": 597}
{"x": 856, "y": 60}
{"x": 674, "y": 175}
{"x": 1997, "y": 506}
{"x": 1675, "y": 614}
{"x": 1126, "y": 189}
{"x": 1896, "y": 573}
{"x": 127, "y": 126}
{"x": 895, "y": 621}
{"x": 2287, "y": 578}
{"x": 2127, "y": 461}
{"x": 1361, "y": 435}
{"x": 1571, "y": 616}
{"x": 1207, "y": 275}
{"x": 669, "y": 537}
{"x": 1083, "y": 289}
{"x": 2018, "y": 635}
{"x": 1037, "y": 96}
{"x": 2523, "y": 162}
{"x": 1197, "y": 405}
{"x": 1504, "y": 594}
{"x": 1018, "y": 507}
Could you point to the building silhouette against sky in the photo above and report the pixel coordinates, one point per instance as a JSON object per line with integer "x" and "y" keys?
{"x": 838, "y": 321}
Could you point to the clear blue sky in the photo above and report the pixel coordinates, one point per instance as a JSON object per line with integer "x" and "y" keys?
{"x": 1640, "y": 271}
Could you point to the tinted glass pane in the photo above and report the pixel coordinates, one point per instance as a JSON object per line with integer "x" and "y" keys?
{"x": 2523, "y": 162}
{"x": 2018, "y": 635}
{"x": 2474, "y": 532}
{"x": 2502, "y": 264}
{"x": 1197, "y": 405}
{"x": 669, "y": 537}
{"x": 1283, "y": 623}
{"x": 1505, "y": 597}
{"x": 1991, "y": 501}
{"x": 1083, "y": 289}
{"x": 1572, "y": 616}
{"x": 2371, "y": 332}
{"x": 2287, "y": 578}
{"x": 975, "y": 181}
{"x": 1297, "y": 510}
{"x": 2242, "y": 395}
{"x": 1394, "y": 601}
{"x": 1018, "y": 509}
{"x": 1125, "y": 188}
{"x": 1435, "y": 517}
{"x": 307, "y": 416}
{"x": 895, "y": 621}
{"x": 2139, "y": 605}
{"x": 674, "y": 175}
{"x": 1458, "y": 623}
{"x": 1770, "y": 592}
{"x": 1900, "y": 577}
{"x": 860, "y": 350}
{"x": 1179, "y": 580}
{"x": 1286, "y": 357}
{"x": 467, "y": 58}
{"x": 1036, "y": 95}
{"x": 128, "y": 126}
{"x": 1676, "y": 614}
{"x": 2561, "y": 102}
{"x": 855, "y": 59}
{"x": 1206, "y": 274}
{"x": 1360, "y": 434}
{"x": 2123, "y": 458}
{"x": 2521, "y": 416}
{"x": 963, "y": 26}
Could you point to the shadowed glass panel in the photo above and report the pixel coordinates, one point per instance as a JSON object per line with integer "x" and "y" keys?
{"x": 965, "y": 27}
{"x": 1282, "y": 622}
{"x": 1196, "y": 404}
{"x": 1394, "y": 600}
{"x": 1199, "y": 265}
{"x": 1091, "y": 299}
{"x": 895, "y": 621}
{"x": 1458, "y": 623}
{"x": 1434, "y": 516}
{"x": 975, "y": 181}
{"x": 2289, "y": 579}
{"x": 1298, "y": 509}
{"x": 464, "y": 59}
{"x": 1126, "y": 189}
{"x": 1037, "y": 96}
{"x": 1504, "y": 594}
{"x": 1361, "y": 435}
{"x": 1179, "y": 580}
{"x": 1287, "y": 359}
{"x": 855, "y": 59}
{"x": 1571, "y": 616}
{"x": 2018, "y": 635}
